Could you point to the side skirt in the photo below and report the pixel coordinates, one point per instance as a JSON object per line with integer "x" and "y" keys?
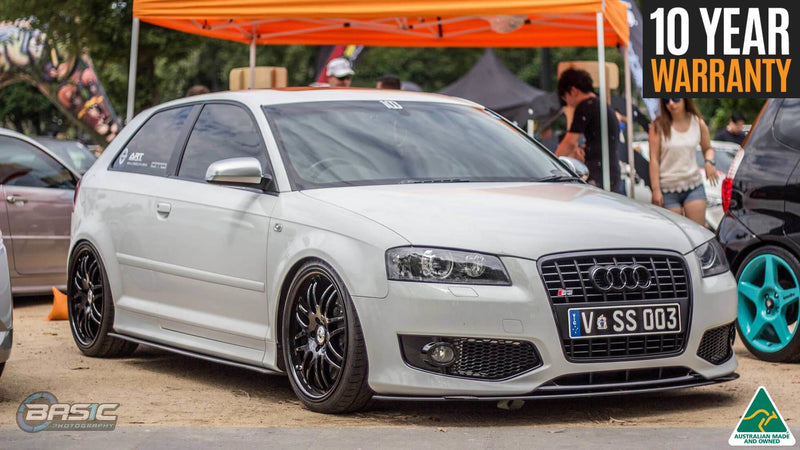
{"x": 196, "y": 355}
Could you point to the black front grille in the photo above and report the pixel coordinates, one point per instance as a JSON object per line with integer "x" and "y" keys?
{"x": 570, "y": 277}
{"x": 716, "y": 346}
{"x": 476, "y": 358}
{"x": 492, "y": 359}
{"x": 624, "y": 346}
{"x": 567, "y": 279}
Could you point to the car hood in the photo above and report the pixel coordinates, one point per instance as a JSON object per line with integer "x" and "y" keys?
{"x": 517, "y": 219}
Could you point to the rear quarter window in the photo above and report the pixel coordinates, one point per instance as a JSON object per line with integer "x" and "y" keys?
{"x": 150, "y": 149}
{"x": 786, "y": 129}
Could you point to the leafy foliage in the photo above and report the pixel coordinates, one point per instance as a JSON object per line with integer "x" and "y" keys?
{"x": 170, "y": 62}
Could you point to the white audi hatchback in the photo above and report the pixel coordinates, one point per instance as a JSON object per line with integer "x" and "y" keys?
{"x": 386, "y": 244}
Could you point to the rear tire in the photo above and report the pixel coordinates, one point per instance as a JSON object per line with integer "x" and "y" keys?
{"x": 91, "y": 308}
{"x": 768, "y": 296}
{"x": 323, "y": 346}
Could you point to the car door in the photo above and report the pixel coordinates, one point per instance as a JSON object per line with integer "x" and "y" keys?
{"x": 790, "y": 112}
{"x": 212, "y": 241}
{"x": 38, "y": 192}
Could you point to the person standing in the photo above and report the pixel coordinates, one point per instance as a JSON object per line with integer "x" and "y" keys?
{"x": 674, "y": 174}
{"x": 388, "y": 82}
{"x": 734, "y": 132}
{"x": 575, "y": 89}
{"x": 340, "y": 72}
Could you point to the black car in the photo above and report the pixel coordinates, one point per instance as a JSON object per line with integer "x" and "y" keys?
{"x": 761, "y": 232}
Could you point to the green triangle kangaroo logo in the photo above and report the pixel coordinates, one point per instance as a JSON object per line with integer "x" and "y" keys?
{"x": 761, "y": 424}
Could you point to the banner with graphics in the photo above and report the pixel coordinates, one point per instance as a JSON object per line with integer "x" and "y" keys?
{"x": 68, "y": 80}
{"x": 721, "y": 48}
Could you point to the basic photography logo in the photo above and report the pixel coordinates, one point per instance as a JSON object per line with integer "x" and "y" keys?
{"x": 762, "y": 424}
{"x": 42, "y": 412}
{"x": 720, "y": 48}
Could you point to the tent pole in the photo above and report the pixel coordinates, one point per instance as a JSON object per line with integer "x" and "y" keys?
{"x": 253, "y": 60}
{"x": 132, "y": 68}
{"x": 629, "y": 119}
{"x": 601, "y": 61}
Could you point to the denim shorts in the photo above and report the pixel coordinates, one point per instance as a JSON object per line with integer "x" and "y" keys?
{"x": 680, "y": 198}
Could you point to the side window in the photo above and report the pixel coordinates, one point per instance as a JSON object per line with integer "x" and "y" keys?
{"x": 786, "y": 129}
{"x": 22, "y": 164}
{"x": 150, "y": 149}
{"x": 221, "y": 132}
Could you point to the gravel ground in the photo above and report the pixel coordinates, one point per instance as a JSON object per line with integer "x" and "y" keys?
{"x": 157, "y": 388}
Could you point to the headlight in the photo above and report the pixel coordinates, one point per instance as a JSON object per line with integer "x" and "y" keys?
{"x": 438, "y": 265}
{"x": 712, "y": 258}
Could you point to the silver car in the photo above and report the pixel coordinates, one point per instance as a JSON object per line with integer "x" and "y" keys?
{"x": 6, "y": 330}
{"x": 38, "y": 188}
{"x": 389, "y": 244}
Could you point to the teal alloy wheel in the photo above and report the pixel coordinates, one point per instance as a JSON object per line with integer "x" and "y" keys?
{"x": 768, "y": 299}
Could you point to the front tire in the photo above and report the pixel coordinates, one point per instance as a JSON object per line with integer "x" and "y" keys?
{"x": 323, "y": 347}
{"x": 768, "y": 296}
{"x": 91, "y": 309}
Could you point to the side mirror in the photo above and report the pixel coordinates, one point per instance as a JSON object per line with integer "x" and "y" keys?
{"x": 576, "y": 166}
{"x": 237, "y": 172}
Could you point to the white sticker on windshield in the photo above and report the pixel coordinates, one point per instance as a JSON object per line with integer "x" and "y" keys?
{"x": 391, "y": 104}
{"x": 123, "y": 156}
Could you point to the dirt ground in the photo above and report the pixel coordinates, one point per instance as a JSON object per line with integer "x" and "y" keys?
{"x": 159, "y": 388}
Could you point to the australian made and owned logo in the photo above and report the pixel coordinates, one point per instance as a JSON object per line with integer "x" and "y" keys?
{"x": 762, "y": 424}
{"x": 41, "y": 411}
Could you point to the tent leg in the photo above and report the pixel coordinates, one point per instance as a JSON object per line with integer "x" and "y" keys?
{"x": 253, "y": 60}
{"x": 629, "y": 119}
{"x": 132, "y": 69}
{"x": 601, "y": 61}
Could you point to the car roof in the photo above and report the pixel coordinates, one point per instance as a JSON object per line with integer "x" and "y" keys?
{"x": 259, "y": 97}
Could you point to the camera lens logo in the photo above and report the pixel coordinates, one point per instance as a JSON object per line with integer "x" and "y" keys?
{"x": 620, "y": 277}
{"x": 41, "y": 411}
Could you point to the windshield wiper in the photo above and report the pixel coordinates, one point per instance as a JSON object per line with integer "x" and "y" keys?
{"x": 436, "y": 180}
{"x": 558, "y": 178}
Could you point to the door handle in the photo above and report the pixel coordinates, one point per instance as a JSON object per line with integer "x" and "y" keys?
{"x": 14, "y": 200}
{"x": 163, "y": 208}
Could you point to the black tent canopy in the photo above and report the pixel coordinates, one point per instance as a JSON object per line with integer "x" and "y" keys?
{"x": 491, "y": 84}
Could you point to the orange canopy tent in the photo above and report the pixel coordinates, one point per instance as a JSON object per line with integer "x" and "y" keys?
{"x": 400, "y": 23}
{"x": 405, "y": 23}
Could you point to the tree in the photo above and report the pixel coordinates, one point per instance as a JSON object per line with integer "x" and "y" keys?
{"x": 25, "y": 109}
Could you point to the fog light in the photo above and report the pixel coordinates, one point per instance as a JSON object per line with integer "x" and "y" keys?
{"x": 440, "y": 354}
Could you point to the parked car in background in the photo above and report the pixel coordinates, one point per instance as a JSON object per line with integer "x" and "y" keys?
{"x": 387, "y": 243}
{"x": 38, "y": 188}
{"x": 6, "y": 319}
{"x": 74, "y": 153}
{"x": 724, "y": 152}
{"x": 761, "y": 232}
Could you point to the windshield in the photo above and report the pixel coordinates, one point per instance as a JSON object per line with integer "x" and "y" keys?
{"x": 723, "y": 159}
{"x": 346, "y": 143}
{"x": 73, "y": 153}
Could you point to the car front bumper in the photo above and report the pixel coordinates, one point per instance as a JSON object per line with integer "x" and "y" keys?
{"x": 522, "y": 312}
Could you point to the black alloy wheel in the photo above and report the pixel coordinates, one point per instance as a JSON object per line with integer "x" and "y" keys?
{"x": 90, "y": 307}
{"x": 88, "y": 289}
{"x": 322, "y": 343}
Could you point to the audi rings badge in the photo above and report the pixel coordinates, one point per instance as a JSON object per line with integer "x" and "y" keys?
{"x": 620, "y": 277}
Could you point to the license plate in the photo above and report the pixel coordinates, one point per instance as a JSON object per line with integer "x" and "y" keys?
{"x": 624, "y": 320}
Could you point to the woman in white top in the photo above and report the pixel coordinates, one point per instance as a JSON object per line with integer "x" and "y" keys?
{"x": 674, "y": 175}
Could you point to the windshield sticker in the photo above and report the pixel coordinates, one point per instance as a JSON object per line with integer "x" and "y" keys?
{"x": 391, "y": 104}
{"x": 123, "y": 156}
{"x": 158, "y": 165}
